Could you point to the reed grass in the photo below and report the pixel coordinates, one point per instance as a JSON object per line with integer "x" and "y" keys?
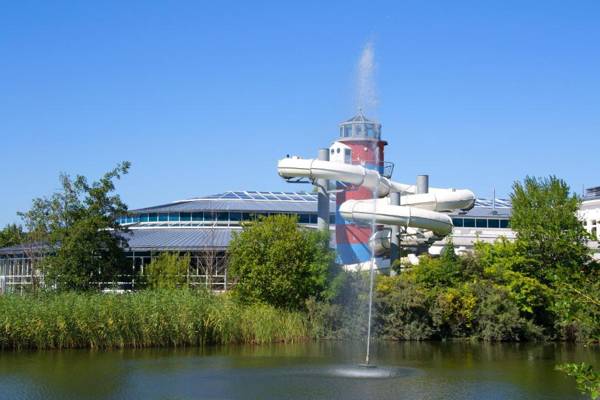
{"x": 174, "y": 318}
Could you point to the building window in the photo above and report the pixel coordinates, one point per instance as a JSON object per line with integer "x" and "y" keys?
{"x": 144, "y": 218}
{"x": 504, "y": 223}
{"x": 153, "y": 217}
{"x": 197, "y": 216}
{"x": 469, "y": 223}
{"x": 185, "y": 216}
{"x": 481, "y": 223}
{"x": 173, "y": 217}
{"x": 235, "y": 216}
{"x": 163, "y": 217}
{"x": 209, "y": 216}
{"x": 493, "y": 223}
{"x": 222, "y": 216}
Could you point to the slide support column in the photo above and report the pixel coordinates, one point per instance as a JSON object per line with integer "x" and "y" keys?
{"x": 323, "y": 197}
{"x": 395, "y": 234}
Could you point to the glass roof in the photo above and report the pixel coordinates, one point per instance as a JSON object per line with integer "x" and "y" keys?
{"x": 312, "y": 197}
{"x": 499, "y": 203}
{"x": 270, "y": 196}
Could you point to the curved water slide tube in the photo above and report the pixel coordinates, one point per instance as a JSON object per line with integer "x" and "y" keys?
{"x": 422, "y": 211}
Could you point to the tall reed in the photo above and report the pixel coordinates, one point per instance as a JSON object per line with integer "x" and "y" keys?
{"x": 141, "y": 319}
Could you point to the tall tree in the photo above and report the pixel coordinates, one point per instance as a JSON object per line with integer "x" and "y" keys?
{"x": 79, "y": 223}
{"x": 12, "y": 234}
{"x": 549, "y": 235}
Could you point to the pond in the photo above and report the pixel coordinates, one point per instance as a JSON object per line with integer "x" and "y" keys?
{"x": 323, "y": 370}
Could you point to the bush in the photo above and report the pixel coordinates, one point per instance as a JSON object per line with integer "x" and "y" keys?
{"x": 403, "y": 310}
{"x": 168, "y": 271}
{"x": 276, "y": 262}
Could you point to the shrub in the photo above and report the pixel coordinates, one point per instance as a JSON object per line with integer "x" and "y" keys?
{"x": 276, "y": 262}
{"x": 168, "y": 271}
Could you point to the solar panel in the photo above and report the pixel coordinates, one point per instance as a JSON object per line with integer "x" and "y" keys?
{"x": 243, "y": 195}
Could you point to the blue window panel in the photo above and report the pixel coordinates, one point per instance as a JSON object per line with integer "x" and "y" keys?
{"x": 313, "y": 218}
{"x": 163, "y": 217}
{"x": 270, "y": 197}
{"x": 469, "y": 223}
{"x": 209, "y": 216}
{"x": 129, "y": 220}
{"x": 457, "y": 222}
{"x": 153, "y": 217}
{"x": 174, "y": 217}
{"x": 235, "y": 216}
{"x": 136, "y": 219}
{"x": 493, "y": 223}
{"x": 332, "y": 219}
{"x": 184, "y": 216}
{"x": 229, "y": 196}
{"x": 197, "y": 216}
{"x": 304, "y": 218}
{"x": 481, "y": 223}
{"x": 144, "y": 218}
{"x": 222, "y": 216}
{"x": 504, "y": 223}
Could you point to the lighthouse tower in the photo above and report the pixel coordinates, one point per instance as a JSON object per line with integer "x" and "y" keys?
{"x": 359, "y": 143}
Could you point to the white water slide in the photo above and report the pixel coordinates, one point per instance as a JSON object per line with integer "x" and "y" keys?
{"x": 421, "y": 211}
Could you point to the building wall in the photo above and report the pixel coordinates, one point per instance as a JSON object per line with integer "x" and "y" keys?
{"x": 589, "y": 213}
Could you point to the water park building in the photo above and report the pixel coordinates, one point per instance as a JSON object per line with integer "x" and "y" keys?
{"x": 355, "y": 199}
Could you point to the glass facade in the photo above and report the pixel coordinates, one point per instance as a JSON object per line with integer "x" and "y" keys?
{"x": 481, "y": 223}
{"x": 236, "y": 217}
{"x": 221, "y": 217}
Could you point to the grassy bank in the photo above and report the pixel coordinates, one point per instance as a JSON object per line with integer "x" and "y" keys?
{"x": 141, "y": 319}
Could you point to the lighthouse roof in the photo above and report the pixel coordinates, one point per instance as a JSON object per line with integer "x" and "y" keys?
{"x": 360, "y": 127}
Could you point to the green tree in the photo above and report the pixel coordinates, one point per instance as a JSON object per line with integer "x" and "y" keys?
{"x": 549, "y": 234}
{"x": 276, "y": 262}
{"x": 79, "y": 223}
{"x": 168, "y": 271}
{"x": 11, "y": 235}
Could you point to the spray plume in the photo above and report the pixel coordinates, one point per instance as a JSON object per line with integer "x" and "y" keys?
{"x": 366, "y": 96}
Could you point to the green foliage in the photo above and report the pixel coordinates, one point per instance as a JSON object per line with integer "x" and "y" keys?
{"x": 79, "y": 222}
{"x": 588, "y": 380}
{"x": 12, "y": 234}
{"x": 403, "y": 310}
{"x": 141, "y": 319}
{"x": 168, "y": 271}
{"x": 578, "y": 306}
{"x": 276, "y": 262}
{"x": 549, "y": 235}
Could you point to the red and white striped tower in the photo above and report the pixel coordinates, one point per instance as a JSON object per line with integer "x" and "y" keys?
{"x": 359, "y": 143}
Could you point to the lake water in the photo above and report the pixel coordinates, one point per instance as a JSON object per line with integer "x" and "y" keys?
{"x": 325, "y": 370}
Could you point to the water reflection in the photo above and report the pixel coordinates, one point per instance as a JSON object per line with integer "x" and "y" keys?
{"x": 326, "y": 370}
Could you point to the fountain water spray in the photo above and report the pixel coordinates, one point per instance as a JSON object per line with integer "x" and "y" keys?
{"x": 366, "y": 93}
{"x": 356, "y": 162}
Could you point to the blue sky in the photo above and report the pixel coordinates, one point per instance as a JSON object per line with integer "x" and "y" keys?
{"x": 204, "y": 97}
